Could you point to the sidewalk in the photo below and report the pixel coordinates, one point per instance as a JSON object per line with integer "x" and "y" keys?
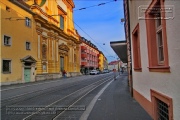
{"x": 117, "y": 104}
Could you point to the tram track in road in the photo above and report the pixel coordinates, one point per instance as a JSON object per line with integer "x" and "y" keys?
{"x": 49, "y": 97}
{"x": 67, "y": 101}
{"x": 38, "y": 93}
{"x": 72, "y": 105}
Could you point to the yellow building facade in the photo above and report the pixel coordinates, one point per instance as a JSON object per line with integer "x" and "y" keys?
{"x": 18, "y": 46}
{"x": 101, "y": 61}
{"x": 54, "y": 42}
{"x": 58, "y": 41}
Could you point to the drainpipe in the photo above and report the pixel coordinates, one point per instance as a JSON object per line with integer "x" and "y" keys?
{"x": 131, "y": 79}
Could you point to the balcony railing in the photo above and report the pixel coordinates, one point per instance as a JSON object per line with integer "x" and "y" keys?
{"x": 84, "y": 63}
{"x": 83, "y": 55}
{"x": 83, "y": 48}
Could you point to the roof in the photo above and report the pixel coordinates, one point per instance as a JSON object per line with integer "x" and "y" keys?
{"x": 113, "y": 62}
{"x": 120, "y": 48}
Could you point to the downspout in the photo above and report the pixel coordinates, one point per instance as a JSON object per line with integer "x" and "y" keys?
{"x": 130, "y": 48}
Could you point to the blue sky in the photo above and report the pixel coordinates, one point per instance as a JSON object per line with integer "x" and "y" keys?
{"x": 101, "y": 23}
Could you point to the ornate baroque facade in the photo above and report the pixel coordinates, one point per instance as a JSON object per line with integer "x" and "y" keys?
{"x": 58, "y": 42}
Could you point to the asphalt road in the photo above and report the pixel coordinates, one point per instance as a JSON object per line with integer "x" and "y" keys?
{"x": 66, "y": 98}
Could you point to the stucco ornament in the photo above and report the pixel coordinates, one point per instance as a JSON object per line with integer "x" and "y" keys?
{"x": 63, "y": 49}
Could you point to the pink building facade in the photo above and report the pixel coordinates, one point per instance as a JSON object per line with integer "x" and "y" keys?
{"x": 89, "y": 56}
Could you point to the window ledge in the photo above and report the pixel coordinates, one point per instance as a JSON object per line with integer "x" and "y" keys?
{"x": 159, "y": 69}
{"x": 6, "y": 72}
{"x": 8, "y": 45}
{"x": 138, "y": 69}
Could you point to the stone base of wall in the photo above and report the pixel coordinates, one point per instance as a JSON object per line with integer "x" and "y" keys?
{"x": 10, "y": 83}
{"x": 51, "y": 76}
{"x": 47, "y": 76}
{"x": 146, "y": 104}
{"x": 72, "y": 74}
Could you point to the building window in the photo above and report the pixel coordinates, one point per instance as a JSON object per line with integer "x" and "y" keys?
{"x": 162, "y": 106}
{"x": 162, "y": 110}
{"x": 6, "y": 67}
{"x": 8, "y": 9}
{"x": 28, "y": 22}
{"x": 44, "y": 51}
{"x": 136, "y": 48}
{"x": 156, "y": 37}
{"x": 61, "y": 22}
{"x": 28, "y": 46}
{"x": 160, "y": 47}
{"x": 7, "y": 40}
{"x": 159, "y": 36}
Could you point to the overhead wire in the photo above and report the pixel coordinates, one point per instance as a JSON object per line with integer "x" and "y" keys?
{"x": 88, "y": 35}
{"x": 70, "y": 19}
{"x": 86, "y": 32}
{"x": 95, "y": 5}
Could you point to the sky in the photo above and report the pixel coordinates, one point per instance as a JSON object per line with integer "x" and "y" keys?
{"x": 100, "y": 24}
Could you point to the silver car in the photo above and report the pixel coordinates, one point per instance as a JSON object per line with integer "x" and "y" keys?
{"x": 93, "y": 72}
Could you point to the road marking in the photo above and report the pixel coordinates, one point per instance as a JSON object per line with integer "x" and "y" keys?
{"x": 85, "y": 115}
{"x": 56, "y": 118}
{"x": 59, "y": 100}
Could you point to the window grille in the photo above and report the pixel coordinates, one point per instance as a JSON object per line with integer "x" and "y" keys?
{"x": 6, "y": 66}
{"x": 162, "y": 110}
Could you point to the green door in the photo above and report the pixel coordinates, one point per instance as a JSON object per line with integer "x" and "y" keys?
{"x": 27, "y": 74}
{"x": 61, "y": 63}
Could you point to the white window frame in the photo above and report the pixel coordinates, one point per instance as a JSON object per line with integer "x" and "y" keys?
{"x": 10, "y": 40}
{"x": 28, "y": 22}
{"x": 158, "y": 30}
{"x": 10, "y": 69}
{"x": 29, "y": 45}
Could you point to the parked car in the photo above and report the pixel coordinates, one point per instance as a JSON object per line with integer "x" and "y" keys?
{"x": 105, "y": 71}
{"x": 93, "y": 72}
{"x": 99, "y": 71}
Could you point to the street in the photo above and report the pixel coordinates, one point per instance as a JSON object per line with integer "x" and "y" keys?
{"x": 53, "y": 99}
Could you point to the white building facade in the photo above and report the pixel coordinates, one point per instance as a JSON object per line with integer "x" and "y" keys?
{"x": 155, "y": 46}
